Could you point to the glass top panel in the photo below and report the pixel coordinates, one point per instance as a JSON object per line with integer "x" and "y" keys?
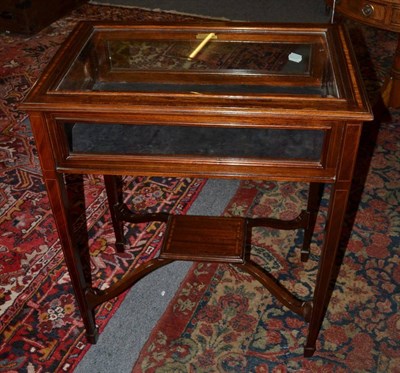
{"x": 196, "y": 62}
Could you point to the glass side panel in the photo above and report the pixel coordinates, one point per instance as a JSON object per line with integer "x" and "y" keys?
{"x": 200, "y": 63}
{"x": 124, "y": 139}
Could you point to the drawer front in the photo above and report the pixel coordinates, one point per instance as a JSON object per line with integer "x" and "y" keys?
{"x": 382, "y": 14}
{"x": 396, "y": 17}
{"x": 365, "y": 11}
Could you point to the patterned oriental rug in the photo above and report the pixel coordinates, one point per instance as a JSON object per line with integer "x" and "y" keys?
{"x": 220, "y": 320}
{"x": 41, "y": 328}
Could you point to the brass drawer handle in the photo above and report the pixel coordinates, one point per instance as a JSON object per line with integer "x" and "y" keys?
{"x": 367, "y": 10}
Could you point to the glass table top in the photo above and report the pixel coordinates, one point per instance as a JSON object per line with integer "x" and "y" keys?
{"x": 209, "y": 61}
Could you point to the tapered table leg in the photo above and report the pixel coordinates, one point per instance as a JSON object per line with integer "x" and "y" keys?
{"x": 326, "y": 278}
{"x": 61, "y": 208}
{"x": 74, "y": 258}
{"x": 327, "y": 270}
{"x": 77, "y": 213}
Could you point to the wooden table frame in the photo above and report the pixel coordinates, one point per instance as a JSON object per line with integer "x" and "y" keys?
{"x": 341, "y": 119}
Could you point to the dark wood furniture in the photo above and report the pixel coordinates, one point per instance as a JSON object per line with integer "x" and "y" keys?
{"x": 30, "y": 16}
{"x": 384, "y": 14}
{"x": 256, "y": 102}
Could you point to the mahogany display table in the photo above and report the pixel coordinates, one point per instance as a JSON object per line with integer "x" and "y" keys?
{"x": 221, "y": 100}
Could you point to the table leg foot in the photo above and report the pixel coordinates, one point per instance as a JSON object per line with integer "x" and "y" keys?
{"x": 309, "y": 351}
{"x": 304, "y": 255}
{"x": 120, "y": 247}
{"x": 93, "y": 336}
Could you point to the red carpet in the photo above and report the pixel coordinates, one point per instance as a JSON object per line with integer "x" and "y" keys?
{"x": 222, "y": 320}
{"x": 41, "y": 327}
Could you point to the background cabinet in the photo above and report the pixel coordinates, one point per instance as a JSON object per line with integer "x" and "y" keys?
{"x": 30, "y": 16}
{"x": 384, "y": 14}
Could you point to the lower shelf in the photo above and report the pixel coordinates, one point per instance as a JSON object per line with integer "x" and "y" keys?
{"x": 207, "y": 239}
{"x": 203, "y": 238}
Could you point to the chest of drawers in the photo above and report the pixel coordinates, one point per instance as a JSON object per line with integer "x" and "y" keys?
{"x": 384, "y": 14}
{"x": 30, "y": 16}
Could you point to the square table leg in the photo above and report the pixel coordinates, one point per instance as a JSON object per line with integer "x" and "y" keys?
{"x": 75, "y": 258}
{"x": 313, "y": 204}
{"x": 59, "y": 197}
{"x": 328, "y": 264}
